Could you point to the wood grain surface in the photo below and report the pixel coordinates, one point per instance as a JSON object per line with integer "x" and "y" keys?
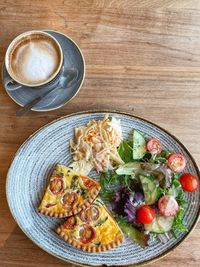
{"x": 141, "y": 56}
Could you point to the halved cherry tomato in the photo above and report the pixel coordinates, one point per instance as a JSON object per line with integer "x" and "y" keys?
{"x": 90, "y": 214}
{"x": 168, "y": 205}
{"x": 87, "y": 233}
{"x": 189, "y": 182}
{"x": 56, "y": 185}
{"x": 154, "y": 146}
{"x": 145, "y": 214}
{"x": 49, "y": 205}
{"x": 69, "y": 199}
{"x": 70, "y": 223}
{"x": 177, "y": 162}
{"x": 86, "y": 182}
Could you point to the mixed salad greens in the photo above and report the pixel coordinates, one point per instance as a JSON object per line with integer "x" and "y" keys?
{"x": 147, "y": 191}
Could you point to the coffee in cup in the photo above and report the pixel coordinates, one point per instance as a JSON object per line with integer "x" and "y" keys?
{"x": 34, "y": 58}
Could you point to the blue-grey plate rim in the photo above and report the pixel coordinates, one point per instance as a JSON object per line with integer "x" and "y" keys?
{"x": 132, "y": 116}
{"x": 81, "y": 84}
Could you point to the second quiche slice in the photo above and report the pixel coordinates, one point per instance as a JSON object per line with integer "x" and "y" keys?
{"x": 68, "y": 193}
{"x": 92, "y": 230}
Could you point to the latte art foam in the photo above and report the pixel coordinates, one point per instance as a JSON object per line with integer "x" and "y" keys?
{"x": 35, "y": 60}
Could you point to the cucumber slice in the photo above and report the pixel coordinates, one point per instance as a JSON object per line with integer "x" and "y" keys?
{"x": 165, "y": 222}
{"x": 133, "y": 233}
{"x": 150, "y": 189}
{"x": 154, "y": 227}
{"x": 128, "y": 168}
{"x": 160, "y": 225}
{"x": 139, "y": 145}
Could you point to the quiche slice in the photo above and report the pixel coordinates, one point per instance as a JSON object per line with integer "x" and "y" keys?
{"x": 67, "y": 193}
{"x": 92, "y": 230}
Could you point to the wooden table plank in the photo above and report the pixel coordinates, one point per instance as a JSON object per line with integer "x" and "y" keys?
{"x": 142, "y": 55}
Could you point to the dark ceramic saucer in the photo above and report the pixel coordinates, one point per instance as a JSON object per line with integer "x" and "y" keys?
{"x": 73, "y": 59}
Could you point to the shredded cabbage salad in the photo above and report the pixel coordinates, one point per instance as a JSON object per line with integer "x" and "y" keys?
{"x": 95, "y": 146}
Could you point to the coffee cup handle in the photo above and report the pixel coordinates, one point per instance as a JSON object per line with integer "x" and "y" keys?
{"x": 10, "y": 84}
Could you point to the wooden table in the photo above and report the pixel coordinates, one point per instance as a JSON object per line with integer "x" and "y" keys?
{"x": 142, "y": 57}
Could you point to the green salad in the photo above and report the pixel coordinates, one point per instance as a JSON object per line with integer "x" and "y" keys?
{"x": 147, "y": 192}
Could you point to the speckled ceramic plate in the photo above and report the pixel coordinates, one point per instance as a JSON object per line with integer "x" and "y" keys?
{"x": 28, "y": 175}
{"x": 73, "y": 59}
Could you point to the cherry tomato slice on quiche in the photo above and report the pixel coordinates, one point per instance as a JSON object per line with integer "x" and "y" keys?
{"x": 69, "y": 199}
{"x": 177, "y": 162}
{"x": 87, "y": 233}
{"x": 90, "y": 214}
{"x": 87, "y": 183}
{"x": 70, "y": 223}
{"x": 154, "y": 146}
{"x": 56, "y": 185}
{"x": 189, "y": 182}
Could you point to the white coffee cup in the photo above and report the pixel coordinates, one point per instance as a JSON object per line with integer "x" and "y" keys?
{"x": 33, "y": 59}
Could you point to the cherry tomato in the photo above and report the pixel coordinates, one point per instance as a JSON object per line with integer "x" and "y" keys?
{"x": 168, "y": 205}
{"x": 177, "y": 162}
{"x": 86, "y": 182}
{"x": 154, "y": 146}
{"x": 145, "y": 214}
{"x": 56, "y": 185}
{"x": 87, "y": 233}
{"x": 69, "y": 199}
{"x": 90, "y": 214}
{"x": 70, "y": 223}
{"x": 189, "y": 182}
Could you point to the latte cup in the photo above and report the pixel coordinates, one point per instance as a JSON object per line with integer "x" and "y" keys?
{"x": 33, "y": 59}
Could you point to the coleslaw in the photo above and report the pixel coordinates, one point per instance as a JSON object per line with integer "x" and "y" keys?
{"x": 95, "y": 146}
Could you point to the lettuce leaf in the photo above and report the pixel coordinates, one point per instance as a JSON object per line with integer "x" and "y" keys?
{"x": 125, "y": 151}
